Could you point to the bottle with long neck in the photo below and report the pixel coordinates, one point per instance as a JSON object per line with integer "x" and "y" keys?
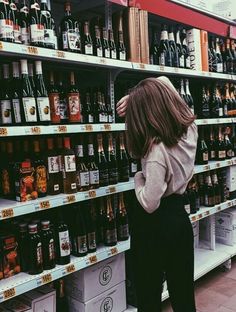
{"x": 100, "y": 113}
{"x": 87, "y": 40}
{"x": 81, "y": 168}
{"x": 6, "y": 20}
{"x": 189, "y": 97}
{"x": 173, "y": 48}
{"x": 48, "y": 22}
{"x": 121, "y": 45}
{"x": 212, "y": 146}
{"x": 202, "y": 154}
{"x": 112, "y": 162}
{"x": 40, "y": 171}
{"x": 112, "y": 44}
{"x": 16, "y": 20}
{"x": 31, "y": 76}
{"x": 54, "y": 100}
{"x": 123, "y": 160}
{"x": 63, "y": 101}
{"x": 217, "y": 191}
{"x": 233, "y": 99}
{"x": 53, "y": 169}
{"x": 209, "y": 191}
{"x": 122, "y": 219}
{"x": 35, "y": 250}
{"x": 80, "y": 248}
{"x": 165, "y": 58}
{"x": 102, "y": 163}
{"x": 220, "y": 147}
{"x": 213, "y": 55}
{"x": 233, "y": 53}
{"x": 90, "y": 222}
{"x": 105, "y": 43}
{"x": 17, "y": 113}
{"x": 42, "y": 99}
{"x": 62, "y": 240}
{"x": 97, "y": 47}
{"x": 216, "y": 103}
{"x": 219, "y": 65}
{"x": 205, "y": 103}
{"x": 24, "y": 22}
{"x": 36, "y": 25}
{"x": 154, "y": 48}
{"x": 228, "y": 146}
{"x": 74, "y": 105}
{"x": 182, "y": 91}
{"x": 185, "y": 49}
{"x": 92, "y": 165}
{"x": 5, "y": 100}
{"x": 48, "y": 246}
{"x": 180, "y": 49}
{"x": 61, "y": 302}
{"x": 224, "y": 58}
{"x": 227, "y": 111}
{"x": 229, "y": 58}
{"x": 101, "y": 214}
{"x": 110, "y": 231}
{"x": 201, "y": 189}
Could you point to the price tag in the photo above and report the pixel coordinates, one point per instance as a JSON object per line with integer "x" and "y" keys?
{"x": 92, "y": 193}
{"x": 162, "y": 68}
{"x": 70, "y": 198}
{"x": 229, "y": 204}
{"x": 1, "y": 45}
{"x": 218, "y": 165}
{"x": 89, "y": 128}
{"x": 33, "y": 50}
{"x": 193, "y": 218}
{"x": 35, "y": 130}
{"x": 103, "y": 61}
{"x": 47, "y": 278}
{"x": 93, "y": 259}
{"x": 229, "y": 162}
{"x": 62, "y": 129}
{"x": 200, "y": 216}
{"x": 204, "y": 121}
{"x": 176, "y": 69}
{"x": 9, "y": 293}
{"x": 218, "y": 208}
{"x": 45, "y": 204}
{"x": 60, "y": 54}
{"x": 107, "y": 127}
{"x": 70, "y": 268}
{"x": 207, "y": 213}
{"x": 141, "y": 66}
{"x": 7, "y": 213}
{"x": 114, "y": 251}
{"x": 112, "y": 189}
{"x": 207, "y": 167}
{"x": 3, "y": 131}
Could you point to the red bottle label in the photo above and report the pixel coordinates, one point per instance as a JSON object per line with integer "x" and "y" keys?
{"x": 54, "y": 102}
{"x": 74, "y": 107}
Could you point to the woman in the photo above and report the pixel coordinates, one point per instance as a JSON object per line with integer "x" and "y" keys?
{"x": 162, "y": 133}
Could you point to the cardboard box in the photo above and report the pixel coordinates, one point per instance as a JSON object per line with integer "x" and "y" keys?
{"x": 226, "y": 222}
{"x": 112, "y": 300}
{"x": 224, "y": 236}
{"x": 41, "y": 300}
{"x": 94, "y": 280}
{"x": 144, "y": 37}
{"x": 16, "y": 305}
{"x": 204, "y": 50}
{"x": 207, "y": 233}
{"x": 231, "y": 180}
{"x": 194, "y": 45}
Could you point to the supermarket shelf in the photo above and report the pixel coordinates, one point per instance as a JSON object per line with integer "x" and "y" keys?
{"x": 10, "y": 208}
{"x": 214, "y": 121}
{"x": 214, "y": 165}
{"x": 24, "y": 282}
{"x": 59, "y": 129}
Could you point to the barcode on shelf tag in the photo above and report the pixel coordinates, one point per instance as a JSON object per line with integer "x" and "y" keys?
{"x": 45, "y": 204}
{"x": 93, "y": 259}
{"x": 107, "y": 127}
{"x": 60, "y": 54}
{"x": 47, "y": 278}
{"x": 35, "y": 130}
{"x": 92, "y": 193}
{"x": 89, "y": 128}
{"x": 70, "y": 198}
{"x": 62, "y": 129}
{"x": 32, "y": 50}
{"x": 9, "y": 293}
{"x": 7, "y": 213}
{"x": 70, "y": 268}
{"x": 162, "y": 68}
{"x": 141, "y": 66}
{"x": 112, "y": 189}
{"x": 3, "y": 131}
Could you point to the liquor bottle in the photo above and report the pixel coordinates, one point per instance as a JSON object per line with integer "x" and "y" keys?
{"x": 24, "y": 23}
{"x": 233, "y": 99}
{"x": 16, "y": 20}
{"x": 233, "y": 53}
{"x": 80, "y": 248}
{"x": 23, "y": 246}
{"x": 53, "y": 169}
{"x": 219, "y": 66}
{"x": 54, "y": 100}
{"x": 202, "y": 151}
{"x": 209, "y": 191}
{"x": 62, "y": 241}
{"x": 112, "y": 162}
{"x": 201, "y": 189}
{"x": 185, "y": 49}
{"x": 97, "y": 46}
{"x": 121, "y": 46}
{"x": 63, "y": 102}
{"x": 31, "y": 76}
{"x": 197, "y": 196}
{"x": 229, "y": 58}
{"x": 7, "y": 173}
{"x": 101, "y": 215}
{"x": 90, "y": 221}
{"x": 123, "y": 161}
{"x": 82, "y": 171}
{"x": 133, "y": 167}
{"x": 226, "y": 101}
{"x": 164, "y": 48}
{"x": 88, "y": 112}
{"x": 68, "y": 168}
{"x": 48, "y": 23}
{"x": 40, "y": 171}
{"x": 5, "y": 99}
{"x": 110, "y": 231}
{"x": 105, "y": 43}
{"x": 189, "y": 98}
{"x": 154, "y": 48}
{"x": 211, "y": 146}
{"x": 36, "y": 24}
{"x": 213, "y": 61}
{"x": 42, "y": 99}
{"x": 220, "y": 147}
{"x": 102, "y": 163}
{"x": 35, "y": 251}
{"x": 109, "y": 111}
{"x": 122, "y": 223}
{"x": 6, "y": 20}
{"x": 205, "y": 103}
{"x": 17, "y": 112}
{"x": 112, "y": 44}
{"x": 48, "y": 246}
{"x": 216, "y": 103}
{"x": 224, "y": 58}
{"x": 217, "y": 191}
{"x": 186, "y": 202}
{"x": 87, "y": 40}
{"x": 71, "y": 40}
{"x": 180, "y": 49}
{"x": 100, "y": 113}
{"x": 60, "y": 151}
{"x": 192, "y": 198}
{"x": 228, "y": 146}
{"x": 92, "y": 166}
{"x": 173, "y": 48}
{"x": 73, "y": 98}
{"x": 61, "y": 298}
{"x": 104, "y": 106}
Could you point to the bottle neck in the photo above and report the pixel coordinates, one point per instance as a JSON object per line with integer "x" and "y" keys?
{"x": 164, "y": 35}
{"x": 72, "y": 79}
{"x": 16, "y": 70}
{"x": 79, "y": 151}
{"x": 6, "y": 71}
{"x": 178, "y": 37}
{"x": 171, "y": 36}
{"x": 187, "y": 86}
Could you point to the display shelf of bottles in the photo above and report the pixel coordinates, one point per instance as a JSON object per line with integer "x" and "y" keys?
{"x": 214, "y": 121}
{"x": 59, "y": 129}
{"x": 23, "y": 282}
{"x": 10, "y": 208}
{"x": 214, "y": 165}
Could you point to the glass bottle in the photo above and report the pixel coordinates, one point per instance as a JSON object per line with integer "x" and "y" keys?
{"x": 92, "y": 165}
{"x": 24, "y": 23}
{"x": 48, "y": 23}
{"x": 102, "y": 163}
{"x": 220, "y": 147}
{"x": 87, "y": 39}
{"x": 35, "y": 250}
{"x": 15, "y": 95}
{"x": 110, "y": 231}
{"x": 81, "y": 169}
{"x": 54, "y": 100}
{"x": 209, "y": 191}
{"x": 48, "y": 246}
{"x": 219, "y": 66}
{"x": 105, "y": 43}
{"x": 36, "y": 25}
{"x": 40, "y": 171}
{"x": 53, "y": 169}
{"x": 164, "y": 48}
{"x": 6, "y": 20}
{"x": 73, "y": 98}
{"x": 180, "y": 49}
{"x": 112, "y": 44}
{"x": 90, "y": 221}
{"x": 62, "y": 240}
{"x": 16, "y": 20}
{"x": 80, "y": 248}
{"x": 217, "y": 191}
{"x": 123, "y": 160}
{"x": 185, "y": 49}
{"x": 5, "y": 100}
{"x": 122, "y": 223}
{"x": 23, "y": 246}
{"x": 121, "y": 45}
{"x": 112, "y": 162}
{"x": 173, "y": 47}
{"x": 154, "y": 48}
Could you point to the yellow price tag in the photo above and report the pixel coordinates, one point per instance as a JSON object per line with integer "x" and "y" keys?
{"x": 33, "y": 50}
{"x": 1, "y": 45}
{"x": 71, "y": 198}
{"x": 114, "y": 251}
{"x": 62, "y": 129}
{"x": 112, "y": 189}
{"x": 142, "y": 66}
{"x": 45, "y": 204}
{"x": 93, "y": 259}
{"x": 92, "y": 193}
{"x": 218, "y": 165}
{"x": 70, "y": 268}
{"x": 107, "y": 127}
{"x": 219, "y": 208}
{"x": 7, "y": 213}
{"x": 207, "y": 213}
{"x": 200, "y": 216}
{"x": 3, "y": 131}
{"x": 194, "y": 219}
{"x": 61, "y": 54}
{"x": 47, "y": 278}
{"x": 9, "y": 293}
{"x": 162, "y": 68}
{"x": 35, "y": 130}
{"x": 89, "y": 128}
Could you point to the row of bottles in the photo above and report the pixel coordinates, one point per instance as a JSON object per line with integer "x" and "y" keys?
{"x": 52, "y": 166}
{"x": 206, "y": 190}
{"x": 44, "y": 241}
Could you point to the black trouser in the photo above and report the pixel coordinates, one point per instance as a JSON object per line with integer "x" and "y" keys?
{"x": 162, "y": 242}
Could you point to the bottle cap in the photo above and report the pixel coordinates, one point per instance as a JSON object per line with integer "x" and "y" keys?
{"x": 45, "y": 224}
{"x": 33, "y": 228}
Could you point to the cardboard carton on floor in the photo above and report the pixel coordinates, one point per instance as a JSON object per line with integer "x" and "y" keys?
{"x": 92, "y": 281}
{"x": 112, "y": 300}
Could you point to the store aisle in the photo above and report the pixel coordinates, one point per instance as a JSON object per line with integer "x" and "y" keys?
{"x": 215, "y": 292}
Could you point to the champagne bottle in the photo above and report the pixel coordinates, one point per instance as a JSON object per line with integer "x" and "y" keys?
{"x": 228, "y": 146}
{"x": 36, "y": 25}
{"x": 233, "y": 53}
{"x": 164, "y": 48}
{"x": 80, "y": 248}
{"x": 16, "y": 21}
{"x": 189, "y": 98}
{"x": 201, "y": 189}
{"x": 17, "y": 112}
{"x": 101, "y": 215}
{"x": 192, "y": 198}
{"x": 5, "y": 100}
{"x": 205, "y": 103}
{"x": 48, "y": 23}
{"x": 61, "y": 302}
{"x": 90, "y": 221}
{"x": 40, "y": 171}
{"x": 81, "y": 169}
{"x": 6, "y": 20}
{"x": 110, "y": 231}
{"x": 185, "y": 50}
{"x": 97, "y": 47}
{"x": 24, "y": 23}
{"x": 180, "y": 49}
{"x": 112, "y": 44}
{"x": 220, "y": 147}
{"x": 209, "y": 191}
{"x": 212, "y": 146}
{"x": 74, "y": 105}
{"x": 173, "y": 48}
{"x": 92, "y": 166}
{"x": 233, "y": 99}
{"x": 226, "y": 101}
{"x": 182, "y": 91}
{"x": 224, "y": 57}
{"x": 217, "y": 191}
{"x": 53, "y": 169}
{"x": 154, "y": 48}
{"x": 105, "y": 43}
{"x": 123, "y": 161}
{"x": 219, "y": 66}
{"x": 102, "y": 163}
{"x": 202, "y": 151}
{"x": 121, "y": 44}
{"x": 87, "y": 40}
{"x": 31, "y": 76}
{"x": 122, "y": 220}
{"x": 216, "y": 103}
{"x": 214, "y": 61}
{"x": 112, "y": 162}
{"x": 229, "y": 58}
{"x": 54, "y": 100}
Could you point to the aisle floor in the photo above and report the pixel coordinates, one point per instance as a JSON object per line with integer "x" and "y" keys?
{"x": 215, "y": 292}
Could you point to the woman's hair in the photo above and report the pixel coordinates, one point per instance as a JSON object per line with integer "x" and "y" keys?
{"x": 155, "y": 113}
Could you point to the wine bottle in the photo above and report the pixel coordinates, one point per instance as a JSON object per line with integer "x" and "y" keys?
{"x": 224, "y": 57}
{"x": 81, "y": 169}
{"x": 154, "y": 48}
{"x": 212, "y": 146}
{"x": 73, "y": 98}
{"x": 214, "y": 61}
{"x": 62, "y": 240}
{"x": 229, "y": 58}
{"x": 112, "y": 44}
{"x": 101, "y": 215}
{"x": 97, "y": 47}
{"x": 6, "y": 20}
{"x": 102, "y": 163}
{"x": 5, "y": 100}
{"x": 92, "y": 166}
{"x": 80, "y": 248}
{"x": 88, "y": 111}
{"x": 36, "y": 25}
{"x": 182, "y": 91}
{"x": 23, "y": 246}
{"x": 63, "y": 101}
{"x": 31, "y": 76}
{"x": 40, "y": 171}
{"x": 16, "y": 21}
{"x": 104, "y": 106}
{"x": 53, "y": 169}
{"x": 105, "y": 43}
{"x": 185, "y": 49}
{"x": 87, "y": 40}
{"x": 220, "y": 147}
{"x": 205, "y": 103}
{"x": 35, "y": 250}
{"x": 112, "y": 162}
{"x": 180, "y": 49}
{"x": 233, "y": 53}
{"x": 100, "y": 113}
{"x": 189, "y": 98}
{"x": 201, "y": 189}
{"x": 197, "y": 196}
{"x": 202, "y": 151}
{"x": 54, "y": 100}
{"x": 228, "y": 146}
{"x": 61, "y": 298}
{"x": 71, "y": 40}
{"x": 233, "y": 99}
{"x": 123, "y": 161}
{"x": 24, "y": 23}
{"x": 219, "y": 66}
{"x": 7, "y": 181}
{"x": 110, "y": 231}
{"x": 173, "y": 48}
{"x": 192, "y": 198}
{"x": 226, "y": 101}
{"x": 48, "y": 246}
{"x": 164, "y": 48}
{"x": 121, "y": 45}
{"x": 17, "y": 109}
{"x": 217, "y": 191}
{"x": 133, "y": 167}
{"x": 90, "y": 221}
{"x": 122, "y": 223}
{"x": 209, "y": 191}
{"x": 48, "y": 23}
{"x": 216, "y": 103}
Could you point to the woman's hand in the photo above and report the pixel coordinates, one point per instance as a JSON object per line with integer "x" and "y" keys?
{"x": 121, "y": 106}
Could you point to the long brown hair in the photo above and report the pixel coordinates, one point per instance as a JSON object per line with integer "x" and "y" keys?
{"x": 155, "y": 113}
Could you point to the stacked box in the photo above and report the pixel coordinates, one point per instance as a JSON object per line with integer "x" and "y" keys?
{"x": 226, "y": 227}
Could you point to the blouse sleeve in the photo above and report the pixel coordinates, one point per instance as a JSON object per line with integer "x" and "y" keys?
{"x": 149, "y": 191}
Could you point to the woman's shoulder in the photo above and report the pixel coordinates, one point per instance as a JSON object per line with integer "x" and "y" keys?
{"x": 157, "y": 153}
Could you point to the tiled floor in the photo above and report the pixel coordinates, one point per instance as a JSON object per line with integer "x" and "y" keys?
{"x": 215, "y": 292}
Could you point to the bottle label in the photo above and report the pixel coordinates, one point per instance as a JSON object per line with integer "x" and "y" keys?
{"x": 102, "y": 118}
{"x": 17, "y": 33}
{"x": 71, "y": 39}
{"x": 187, "y": 208}
{"x": 30, "y": 109}
{"x": 64, "y": 243}
{"x": 43, "y": 108}
{"x": 88, "y": 49}
{"x": 49, "y": 36}
{"x": 74, "y": 107}
{"x": 16, "y": 110}
{"x": 56, "y": 187}
{"x": 6, "y": 29}
{"x": 92, "y": 241}
{"x": 90, "y": 118}
{"x": 107, "y": 53}
{"x": 37, "y": 33}
{"x": 70, "y": 165}
{"x": 6, "y": 113}
{"x": 82, "y": 244}
{"x": 39, "y": 254}
{"x": 113, "y": 175}
{"x": 162, "y": 59}
{"x": 53, "y": 164}
{"x": 229, "y": 153}
{"x": 73, "y": 186}
{"x": 94, "y": 177}
{"x": 219, "y": 68}
{"x": 83, "y": 178}
{"x": 205, "y": 156}
{"x": 213, "y": 154}
{"x": 122, "y": 55}
{"x": 123, "y": 230}
{"x": 63, "y": 109}
{"x": 90, "y": 150}
{"x": 41, "y": 179}
{"x": 188, "y": 62}
{"x": 222, "y": 154}
{"x": 134, "y": 167}
{"x": 111, "y": 236}
{"x": 103, "y": 176}
{"x": 181, "y": 61}
{"x": 54, "y": 102}
{"x": 113, "y": 54}
{"x": 99, "y": 52}
{"x": 51, "y": 250}
{"x": 25, "y": 38}
{"x": 110, "y": 118}
{"x": 220, "y": 111}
